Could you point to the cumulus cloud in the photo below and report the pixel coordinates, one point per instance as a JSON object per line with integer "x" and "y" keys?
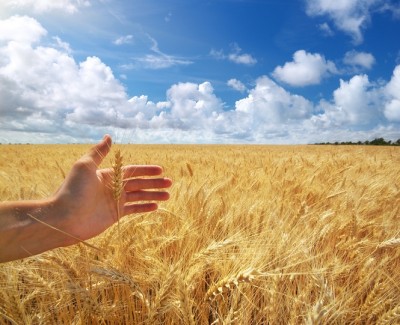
{"x": 64, "y": 46}
{"x": 392, "y": 91}
{"x": 359, "y": 59}
{"x": 46, "y": 95}
{"x": 41, "y": 82}
{"x": 305, "y": 69}
{"x": 237, "y": 85}
{"x": 44, "y": 6}
{"x": 355, "y": 101}
{"x": 358, "y": 103}
{"x": 392, "y": 110}
{"x": 350, "y": 17}
{"x": 192, "y": 104}
{"x": 44, "y": 90}
{"x": 12, "y": 29}
{"x": 272, "y": 104}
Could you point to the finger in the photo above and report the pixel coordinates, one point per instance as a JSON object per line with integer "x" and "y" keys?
{"x": 147, "y": 196}
{"x": 142, "y": 170}
{"x": 138, "y": 208}
{"x": 138, "y": 184}
{"x": 100, "y": 150}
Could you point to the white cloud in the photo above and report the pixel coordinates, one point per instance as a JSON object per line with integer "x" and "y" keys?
{"x": 123, "y": 40}
{"x": 46, "y": 95}
{"x": 44, "y": 6}
{"x": 392, "y": 91}
{"x": 271, "y": 104}
{"x": 348, "y": 16}
{"x": 359, "y": 110}
{"x": 326, "y": 29}
{"x": 192, "y": 104}
{"x": 305, "y": 69}
{"x": 245, "y": 59}
{"x": 393, "y": 86}
{"x": 394, "y": 8}
{"x": 356, "y": 101}
{"x": 392, "y": 110}
{"x": 44, "y": 82}
{"x": 237, "y": 85}
{"x": 158, "y": 59}
{"x": 359, "y": 59}
{"x": 235, "y": 55}
{"x": 21, "y": 29}
{"x": 356, "y": 104}
{"x": 64, "y": 46}
{"x": 141, "y": 104}
{"x": 44, "y": 90}
{"x": 161, "y": 61}
{"x": 217, "y": 54}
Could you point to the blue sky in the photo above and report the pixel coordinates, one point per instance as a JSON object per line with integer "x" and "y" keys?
{"x": 191, "y": 71}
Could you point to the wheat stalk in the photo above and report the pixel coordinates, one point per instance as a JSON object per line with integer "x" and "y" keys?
{"x": 190, "y": 169}
{"x": 6, "y": 318}
{"x": 120, "y": 277}
{"x": 227, "y": 284}
{"x": 68, "y": 267}
{"x": 186, "y": 303}
{"x": 187, "y": 260}
{"x": 117, "y": 181}
{"x": 390, "y": 317}
{"x": 390, "y": 243}
{"x": 316, "y": 314}
{"x": 65, "y": 233}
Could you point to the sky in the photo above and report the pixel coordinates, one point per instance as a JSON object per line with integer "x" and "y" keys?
{"x": 199, "y": 71}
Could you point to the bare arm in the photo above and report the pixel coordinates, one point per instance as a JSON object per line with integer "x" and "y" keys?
{"x": 82, "y": 207}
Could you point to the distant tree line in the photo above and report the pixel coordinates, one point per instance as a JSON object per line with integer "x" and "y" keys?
{"x": 375, "y": 142}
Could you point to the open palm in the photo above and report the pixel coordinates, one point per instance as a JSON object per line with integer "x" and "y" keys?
{"x": 86, "y": 201}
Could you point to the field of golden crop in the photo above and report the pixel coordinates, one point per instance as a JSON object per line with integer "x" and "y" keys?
{"x": 250, "y": 235}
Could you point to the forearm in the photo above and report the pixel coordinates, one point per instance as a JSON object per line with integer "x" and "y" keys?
{"x": 26, "y": 228}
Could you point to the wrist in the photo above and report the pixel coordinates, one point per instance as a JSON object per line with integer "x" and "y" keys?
{"x": 42, "y": 219}
{"x": 60, "y": 224}
{"x": 29, "y": 228}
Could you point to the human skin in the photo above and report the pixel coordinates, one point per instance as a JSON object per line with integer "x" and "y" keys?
{"x": 82, "y": 208}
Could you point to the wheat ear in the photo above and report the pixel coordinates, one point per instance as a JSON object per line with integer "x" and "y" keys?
{"x": 390, "y": 317}
{"x": 120, "y": 277}
{"x": 390, "y": 243}
{"x": 117, "y": 183}
{"x": 227, "y": 284}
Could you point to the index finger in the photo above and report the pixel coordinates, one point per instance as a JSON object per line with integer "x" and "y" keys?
{"x": 141, "y": 170}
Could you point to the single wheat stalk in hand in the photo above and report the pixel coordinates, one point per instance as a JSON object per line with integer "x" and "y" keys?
{"x": 117, "y": 182}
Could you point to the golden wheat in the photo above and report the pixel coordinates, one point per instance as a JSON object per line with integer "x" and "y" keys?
{"x": 225, "y": 285}
{"x": 251, "y": 235}
{"x": 390, "y": 243}
{"x": 117, "y": 181}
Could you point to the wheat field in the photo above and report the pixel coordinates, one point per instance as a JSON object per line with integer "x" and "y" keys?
{"x": 250, "y": 235}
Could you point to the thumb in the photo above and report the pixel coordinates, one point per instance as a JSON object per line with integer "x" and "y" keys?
{"x": 100, "y": 150}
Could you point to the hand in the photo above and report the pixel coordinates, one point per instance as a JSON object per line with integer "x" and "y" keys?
{"x": 82, "y": 208}
{"x": 85, "y": 199}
